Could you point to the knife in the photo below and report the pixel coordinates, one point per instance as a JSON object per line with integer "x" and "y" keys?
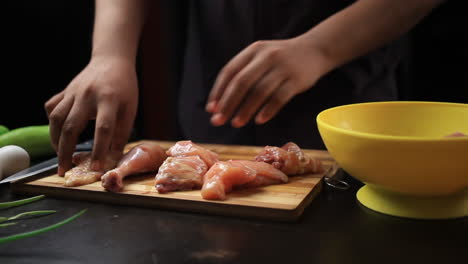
{"x": 45, "y": 165}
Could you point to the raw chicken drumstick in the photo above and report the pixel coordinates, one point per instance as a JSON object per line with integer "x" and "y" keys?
{"x": 144, "y": 157}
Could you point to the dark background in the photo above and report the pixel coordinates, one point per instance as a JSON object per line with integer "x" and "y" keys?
{"x": 46, "y": 43}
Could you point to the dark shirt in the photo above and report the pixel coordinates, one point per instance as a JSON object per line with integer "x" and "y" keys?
{"x": 218, "y": 30}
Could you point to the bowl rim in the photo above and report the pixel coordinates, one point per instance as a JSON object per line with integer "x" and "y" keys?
{"x": 359, "y": 134}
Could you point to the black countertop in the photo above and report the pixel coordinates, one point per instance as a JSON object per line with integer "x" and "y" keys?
{"x": 335, "y": 228}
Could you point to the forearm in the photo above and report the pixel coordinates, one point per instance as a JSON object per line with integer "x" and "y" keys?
{"x": 364, "y": 26}
{"x": 117, "y": 28}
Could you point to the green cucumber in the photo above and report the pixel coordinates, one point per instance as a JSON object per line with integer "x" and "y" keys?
{"x": 3, "y": 129}
{"x": 34, "y": 139}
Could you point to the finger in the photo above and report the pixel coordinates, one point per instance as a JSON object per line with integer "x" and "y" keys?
{"x": 275, "y": 102}
{"x": 211, "y": 106}
{"x": 53, "y": 102}
{"x": 105, "y": 125}
{"x": 56, "y": 119}
{"x": 124, "y": 125}
{"x": 75, "y": 123}
{"x": 79, "y": 157}
{"x": 257, "y": 96}
{"x": 238, "y": 88}
{"x": 228, "y": 72}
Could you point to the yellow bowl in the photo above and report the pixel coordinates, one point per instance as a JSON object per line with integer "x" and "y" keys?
{"x": 400, "y": 149}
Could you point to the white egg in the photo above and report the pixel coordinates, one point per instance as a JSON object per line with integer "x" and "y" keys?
{"x": 13, "y": 159}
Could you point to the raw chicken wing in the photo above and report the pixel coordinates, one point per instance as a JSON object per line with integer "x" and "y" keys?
{"x": 188, "y": 148}
{"x": 290, "y": 159}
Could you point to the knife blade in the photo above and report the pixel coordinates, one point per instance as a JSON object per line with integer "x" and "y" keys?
{"x": 45, "y": 165}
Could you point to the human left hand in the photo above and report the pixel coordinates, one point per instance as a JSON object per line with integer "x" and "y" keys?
{"x": 261, "y": 79}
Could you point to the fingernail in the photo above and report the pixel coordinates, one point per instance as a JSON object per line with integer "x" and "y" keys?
{"x": 217, "y": 119}
{"x": 60, "y": 171}
{"x": 237, "y": 122}
{"x": 260, "y": 119}
{"x": 210, "y": 107}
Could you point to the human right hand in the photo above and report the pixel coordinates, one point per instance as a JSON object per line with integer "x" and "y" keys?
{"x": 107, "y": 91}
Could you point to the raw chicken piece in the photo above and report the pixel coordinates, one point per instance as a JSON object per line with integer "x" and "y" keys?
{"x": 144, "y": 157}
{"x": 188, "y": 148}
{"x": 266, "y": 174}
{"x": 180, "y": 173}
{"x": 82, "y": 174}
{"x": 223, "y": 176}
{"x": 290, "y": 159}
{"x": 185, "y": 167}
{"x": 457, "y": 134}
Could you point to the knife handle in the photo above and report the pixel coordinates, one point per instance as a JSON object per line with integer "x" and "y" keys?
{"x": 85, "y": 146}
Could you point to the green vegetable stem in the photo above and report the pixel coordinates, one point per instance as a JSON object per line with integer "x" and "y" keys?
{"x": 26, "y": 214}
{"x": 41, "y": 230}
{"x": 20, "y": 202}
{"x": 3, "y": 219}
{"x": 7, "y": 224}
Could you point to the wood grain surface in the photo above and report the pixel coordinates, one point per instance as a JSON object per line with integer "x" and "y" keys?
{"x": 281, "y": 202}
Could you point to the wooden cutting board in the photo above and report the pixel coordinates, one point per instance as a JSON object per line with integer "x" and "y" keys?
{"x": 282, "y": 202}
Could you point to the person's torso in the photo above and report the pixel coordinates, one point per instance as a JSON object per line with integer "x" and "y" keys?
{"x": 217, "y": 30}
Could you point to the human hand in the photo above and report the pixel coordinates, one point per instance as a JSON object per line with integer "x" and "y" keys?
{"x": 262, "y": 78}
{"x": 106, "y": 90}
